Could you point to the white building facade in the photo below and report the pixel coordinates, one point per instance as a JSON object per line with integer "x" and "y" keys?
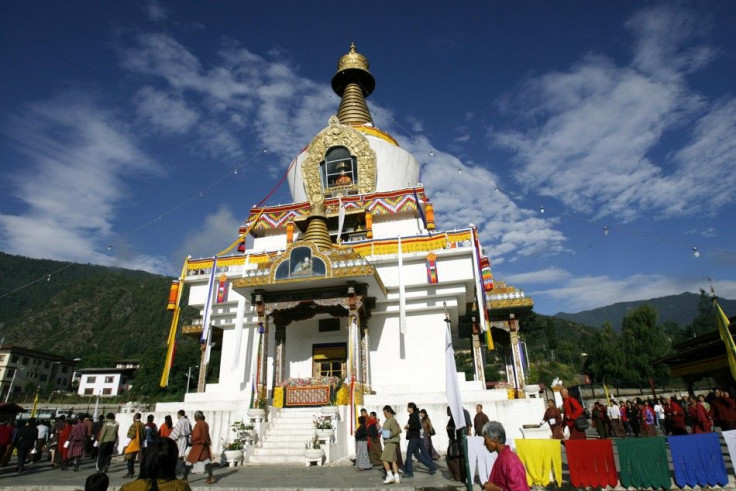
{"x": 345, "y": 296}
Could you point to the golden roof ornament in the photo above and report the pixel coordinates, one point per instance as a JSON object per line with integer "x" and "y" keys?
{"x": 353, "y": 59}
{"x": 317, "y": 232}
{"x": 353, "y": 83}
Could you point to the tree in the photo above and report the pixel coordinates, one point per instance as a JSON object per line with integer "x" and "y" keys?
{"x": 643, "y": 341}
{"x": 704, "y": 322}
{"x": 606, "y": 359}
{"x": 550, "y": 334}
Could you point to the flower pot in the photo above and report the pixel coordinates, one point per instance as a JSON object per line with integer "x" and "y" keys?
{"x": 329, "y": 410}
{"x": 234, "y": 457}
{"x": 314, "y": 453}
{"x": 325, "y": 433}
{"x": 256, "y": 413}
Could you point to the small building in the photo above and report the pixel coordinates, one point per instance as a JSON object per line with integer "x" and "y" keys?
{"x": 107, "y": 382}
{"x": 19, "y": 366}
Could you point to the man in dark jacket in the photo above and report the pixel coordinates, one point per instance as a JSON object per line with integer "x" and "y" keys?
{"x": 25, "y": 440}
{"x": 416, "y": 445}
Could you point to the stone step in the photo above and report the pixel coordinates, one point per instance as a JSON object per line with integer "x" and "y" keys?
{"x": 295, "y": 424}
{"x": 284, "y": 444}
{"x": 299, "y": 450}
{"x": 276, "y": 437}
{"x": 275, "y": 459}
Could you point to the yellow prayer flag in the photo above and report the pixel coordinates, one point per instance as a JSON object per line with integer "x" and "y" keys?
{"x": 726, "y": 337}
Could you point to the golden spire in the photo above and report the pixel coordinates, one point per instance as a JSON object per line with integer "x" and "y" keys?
{"x": 353, "y": 82}
{"x": 317, "y": 232}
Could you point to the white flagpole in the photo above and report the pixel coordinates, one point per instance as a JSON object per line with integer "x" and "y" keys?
{"x": 340, "y": 219}
{"x": 402, "y": 292}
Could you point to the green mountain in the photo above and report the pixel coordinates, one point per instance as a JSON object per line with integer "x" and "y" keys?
{"x": 81, "y": 310}
{"x": 681, "y": 309}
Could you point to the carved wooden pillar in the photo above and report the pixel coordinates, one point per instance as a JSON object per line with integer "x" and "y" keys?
{"x": 365, "y": 352}
{"x": 480, "y": 373}
{"x": 279, "y": 351}
{"x": 261, "y": 379}
{"x": 202, "y": 378}
{"x": 518, "y": 367}
{"x": 354, "y": 337}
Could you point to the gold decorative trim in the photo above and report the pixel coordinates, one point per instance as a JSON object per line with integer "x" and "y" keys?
{"x": 287, "y": 255}
{"x": 357, "y": 144}
{"x": 377, "y": 133}
{"x": 511, "y": 303}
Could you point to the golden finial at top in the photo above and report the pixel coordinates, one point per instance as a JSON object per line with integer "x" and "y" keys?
{"x": 353, "y": 59}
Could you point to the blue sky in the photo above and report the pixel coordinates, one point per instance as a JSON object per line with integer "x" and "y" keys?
{"x": 152, "y": 127}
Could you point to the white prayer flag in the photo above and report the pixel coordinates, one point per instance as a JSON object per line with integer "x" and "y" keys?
{"x": 453, "y": 388}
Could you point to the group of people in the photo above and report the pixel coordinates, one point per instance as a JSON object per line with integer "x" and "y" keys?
{"x": 643, "y": 418}
{"x": 69, "y": 440}
{"x": 377, "y": 445}
{"x": 140, "y": 438}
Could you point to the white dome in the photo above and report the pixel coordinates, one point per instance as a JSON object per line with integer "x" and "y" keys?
{"x": 395, "y": 168}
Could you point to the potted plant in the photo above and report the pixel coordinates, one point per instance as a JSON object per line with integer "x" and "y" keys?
{"x": 258, "y": 412}
{"x": 323, "y": 426}
{"x": 233, "y": 450}
{"x": 313, "y": 451}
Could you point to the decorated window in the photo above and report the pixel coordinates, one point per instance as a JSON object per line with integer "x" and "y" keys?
{"x": 300, "y": 264}
{"x": 338, "y": 169}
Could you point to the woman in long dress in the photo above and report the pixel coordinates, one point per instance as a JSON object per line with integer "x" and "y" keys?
{"x": 391, "y": 435}
{"x": 76, "y": 444}
{"x": 428, "y": 433}
{"x": 362, "y": 460}
{"x": 374, "y": 440}
{"x": 200, "y": 451}
{"x": 553, "y": 417}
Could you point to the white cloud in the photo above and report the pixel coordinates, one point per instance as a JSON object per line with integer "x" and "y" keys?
{"x": 579, "y": 293}
{"x": 590, "y": 132}
{"x": 155, "y": 11}
{"x": 464, "y": 194}
{"x": 76, "y": 158}
{"x": 165, "y": 111}
{"x": 218, "y": 230}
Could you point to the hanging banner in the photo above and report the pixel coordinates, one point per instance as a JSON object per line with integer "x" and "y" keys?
{"x": 432, "y": 269}
{"x": 222, "y": 289}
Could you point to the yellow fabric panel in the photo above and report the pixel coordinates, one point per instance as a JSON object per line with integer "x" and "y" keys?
{"x": 540, "y": 458}
{"x": 330, "y": 353}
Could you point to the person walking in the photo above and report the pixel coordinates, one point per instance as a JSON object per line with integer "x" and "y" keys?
{"x": 151, "y": 433}
{"x": 374, "y": 439}
{"x": 508, "y": 471}
{"x": 479, "y": 420}
{"x": 165, "y": 430}
{"x": 362, "y": 460}
{"x": 200, "y": 451}
{"x": 428, "y": 433}
{"x": 107, "y": 437}
{"x": 553, "y": 417}
{"x": 573, "y": 410}
{"x": 96, "y": 428}
{"x": 77, "y": 439}
{"x": 135, "y": 436}
{"x": 42, "y": 440}
{"x": 415, "y": 446}
{"x": 181, "y": 434}
{"x": 391, "y": 434}
{"x": 25, "y": 440}
{"x": 158, "y": 470}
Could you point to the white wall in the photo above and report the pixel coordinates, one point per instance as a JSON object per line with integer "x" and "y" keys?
{"x": 99, "y": 384}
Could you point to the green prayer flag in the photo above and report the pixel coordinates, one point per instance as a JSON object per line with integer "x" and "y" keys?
{"x": 643, "y": 462}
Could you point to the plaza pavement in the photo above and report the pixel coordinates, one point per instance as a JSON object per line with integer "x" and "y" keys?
{"x": 42, "y": 476}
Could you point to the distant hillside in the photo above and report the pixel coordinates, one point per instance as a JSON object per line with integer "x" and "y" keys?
{"x": 681, "y": 309}
{"x": 82, "y": 310}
